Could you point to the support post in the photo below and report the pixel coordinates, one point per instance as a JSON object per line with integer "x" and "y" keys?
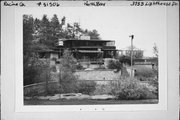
{"x": 132, "y": 36}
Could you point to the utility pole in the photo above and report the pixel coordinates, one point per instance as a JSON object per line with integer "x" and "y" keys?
{"x": 132, "y": 37}
{"x": 47, "y": 75}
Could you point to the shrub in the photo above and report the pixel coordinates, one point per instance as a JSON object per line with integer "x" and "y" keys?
{"x": 111, "y": 64}
{"x": 67, "y": 81}
{"x": 86, "y": 87}
{"x": 68, "y": 61}
{"x": 36, "y": 71}
{"x": 102, "y": 89}
{"x": 132, "y": 89}
{"x": 32, "y": 93}
{"x": 125, "y": 60}
{"x": 53, "y": 88}
{"x": 144, "y": 73}
{"x": 154, "y": 82}
{"x": 53, "y": 68}
{"x": 53, "y": 76}
{"x": 79, "y": 67}
{"x": 114, "y": 64}
{"x": 67, "y": 67}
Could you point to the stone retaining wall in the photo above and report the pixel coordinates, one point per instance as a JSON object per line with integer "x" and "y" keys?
{"x": 98, "y": 75}
{"x": 38, "y": 88}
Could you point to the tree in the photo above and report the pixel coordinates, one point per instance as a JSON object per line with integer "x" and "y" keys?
{"x": 33, "y": 67}
{"x": 115, "y": 64}
{"x": 55, "y": 23}
{"x": 45, "y": 33}
{"x": 138, "y": 54}
{"x": 155, "y": 50}
{"x": 27, "y": 32}
{"x": 36, "y": 29}
{"x": 68, "y": 61}
{"x": 125, "y": 60}
{"x": 67, "y": 67}
{"x": 55, "y": 30}
{"x": 27, "y": 42}
{"x": 70, "y": 32}
{"x": 75, "y": 30}
{"x": 63, "y": 21}
{"x": 63, "y": 33}
{"x": 94, "y": 35}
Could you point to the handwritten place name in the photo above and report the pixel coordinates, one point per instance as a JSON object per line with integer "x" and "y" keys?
{"x": 154, "y": 3}
{"x": 48, "y": 4}
{"x": 87, "y": 3}
{"x": 21, "y": 4}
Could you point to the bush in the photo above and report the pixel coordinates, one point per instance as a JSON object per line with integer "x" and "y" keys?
{"x": 79, "y": 67}
{"x": 36, "y": 70}
{"x": 132, "y": 89}
{"x": 67, "y": 67}
{"x": 102, "y": 89}
{"x": 154, "y": 83}
{"x": 53, "y": 88}
{"x": 54, "y": 76}
{"x": 125, "y": 60}
{"x": 144, "y": 73}
{"x": 114, "y": 64}
{"x": 67, "y": 81}
{"x": 53, "y": 68}
{"x": 86, "y": 87}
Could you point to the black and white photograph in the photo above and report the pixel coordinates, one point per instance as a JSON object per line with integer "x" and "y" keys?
{"x": 89, "y": 60}
{"x": 92, "y": 56}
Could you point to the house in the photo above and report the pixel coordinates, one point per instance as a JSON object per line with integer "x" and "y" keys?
{"x": 83, "y": 49}
{"x": 89, "y": 49}
{"x": 86, "y": 49}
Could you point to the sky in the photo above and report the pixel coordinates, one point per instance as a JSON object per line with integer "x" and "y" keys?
{"x": 147, "y": 24}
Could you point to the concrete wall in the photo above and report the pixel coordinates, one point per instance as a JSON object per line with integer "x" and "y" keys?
{"x": 98, "y": 75}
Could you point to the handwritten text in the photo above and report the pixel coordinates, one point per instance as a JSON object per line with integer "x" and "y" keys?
{"x": 87, "y": 3}
{"x": 48, "y": 4}
{"x": 21, "y": 4}
{"x": 154, "y": 3}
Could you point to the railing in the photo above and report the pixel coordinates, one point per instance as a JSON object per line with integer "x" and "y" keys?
{"x": 143, "y": 63}
{"x": 91, "y": 60}
{"x": 37, "y": 88}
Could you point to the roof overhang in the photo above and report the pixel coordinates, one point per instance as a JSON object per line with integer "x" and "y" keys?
{"x": 90, "y": 51}
{"x": 90, "y": 40}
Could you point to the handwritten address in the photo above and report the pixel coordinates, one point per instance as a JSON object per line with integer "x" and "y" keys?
{"x": 154, "y": 3}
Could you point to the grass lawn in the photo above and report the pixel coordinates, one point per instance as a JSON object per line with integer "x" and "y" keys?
{"x": 88, "y": 102}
